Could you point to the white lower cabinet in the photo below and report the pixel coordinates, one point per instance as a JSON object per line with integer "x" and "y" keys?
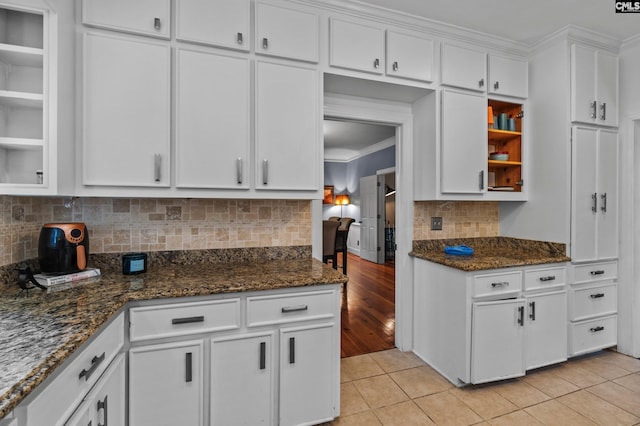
{"x": 545, "y": 338}
{"x": 166, "y": 384}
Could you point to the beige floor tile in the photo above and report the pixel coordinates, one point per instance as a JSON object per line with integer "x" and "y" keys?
{"x": 619, "y": 396}
{"x": 600, "y": 366}
{"x": 351, "y": 402}
{"x": 553, "y": 413}
{"x": 547, "y": 382}
{"x": 358, "y": 367}
{"x": 362, "y": 419}
{"x": 623, "y": 361}
{"x": 577, "y": 375}
{"x": 631, "y": 382}
{"x": 520, "y": 393}
{"x": 420, "y": 381}
{"x": 520, "y": 418}
{"x": 597, "y": 409}
{"x": 403, "y": 414}
{"x": 445, "y": 409}
{"x": 396, "y": 360}
{"x": 380, "y": 391}
{"x": 484, "y": 401}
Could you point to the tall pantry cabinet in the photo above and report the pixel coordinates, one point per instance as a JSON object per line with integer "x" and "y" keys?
{"x": 575, "y": 148}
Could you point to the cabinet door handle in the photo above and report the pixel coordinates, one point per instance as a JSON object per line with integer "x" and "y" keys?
{"x": 481, "y": 180}
{"x": 594, "y": 109}
{"x": 481, "y": 83}
{"x": 603, "y": 198}
{"x": 157, "y": 163}
{"x": 295, "y": 308}
{"x": 95, "y": 362}
{"x": 376, "y": 63}
{"x": 532, "y": 311}
{"x": 395, "y": 66}
{"x": 603, "y": 111}
{"x": 597, "y": 295}
{"x": 594, "y": 198}
{"x": 265, "y": 172}
{"x": 239, "y": 38}
{"x": 599, "y": 272}
{"x": 596, "y": 329}
{"x": 102, "y": 405}
{"x": 265, "y": 43}
{"x": 500, "y": 284}
{"x": 239, "y": 170}
{"x": 157, "y": 24}
{"x": 187, "y": 320}
{"x": 496, "y": 85}
{"x": 188, "y": 367}
{"x": 549, "y": 278}
{"x": 521, "y": 315}
{"x": 263, "y": 355}
{"x": 292, "y": 350}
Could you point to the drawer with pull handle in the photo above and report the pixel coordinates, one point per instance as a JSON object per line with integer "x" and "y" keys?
{"x": 591, "y": 335}
{"x": 153, "y": 322}
{"x": 500, "y": 284}
{"x": 545, "y": 278}
{"x": 593, "y": 301}
{"x": 280, "y": 309}
{"x": 593, "y": 272}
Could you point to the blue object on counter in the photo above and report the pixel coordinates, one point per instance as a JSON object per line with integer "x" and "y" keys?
{"x": 460, "y": 250}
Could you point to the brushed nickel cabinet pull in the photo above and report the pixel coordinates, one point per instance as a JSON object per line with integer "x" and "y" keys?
{"x": 265, "y": 43}
{"x": 239, "y": 170}
{"x": 603, "y": 111}
{"x": 157, "y": 24}
{"x": 500, "y": 284}
{"x": 598, "y": 272}
{"x": 292, "y": 350}
{"x": 157, "y": 163}
{"x": 239, "y": 38}
{"x": 395, "y": 66}
{"x": 265, "y": 172}
{"x": 596, "y": 295}
{"x": 188, "y": 359}
{"x": 263, "y": 355}
{"x": 594, "y": 206}
{"x": 603, "y": 198}
{"x": 481, "y": 83}
{"x": 521, "y": 315}
{"x": 295, "y": 308}
{"x": 549, "y": 278}
{"x": 102, "y": 405}
{"x": 532, "y": 309}
{"x": 496, "y": 85}
{"x": 594, "y": 108}
{"x": 596, "y": 329}
{"x": 376, "y": 63}
{"x": 95, "y": 363}
{"x": 187, "y": 320}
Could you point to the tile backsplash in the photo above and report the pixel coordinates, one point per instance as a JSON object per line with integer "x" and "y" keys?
{"x": 460, "y": 219}
{"x": 149, "y": 224}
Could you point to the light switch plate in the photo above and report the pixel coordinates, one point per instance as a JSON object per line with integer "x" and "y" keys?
{"x": 436, "y": 223}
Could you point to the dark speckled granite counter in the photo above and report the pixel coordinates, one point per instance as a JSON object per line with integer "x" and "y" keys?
{"x": 491, "y": 252}
{"x": 40, "y": 330}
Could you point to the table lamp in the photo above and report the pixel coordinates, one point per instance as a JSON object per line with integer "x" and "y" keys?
{"x": 342, "y": 200}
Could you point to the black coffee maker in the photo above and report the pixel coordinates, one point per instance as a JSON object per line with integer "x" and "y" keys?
{"x": 63, "y": 247}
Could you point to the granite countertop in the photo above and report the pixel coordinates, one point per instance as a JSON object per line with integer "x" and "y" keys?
{"x": 491, "y": 252}
{"x": 40, "y": 330}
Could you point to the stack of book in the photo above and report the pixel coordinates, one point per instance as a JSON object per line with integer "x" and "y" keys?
{"x": 49, "y": 280}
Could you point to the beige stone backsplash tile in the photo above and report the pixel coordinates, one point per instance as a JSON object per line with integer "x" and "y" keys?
{"x": 461, "y": 219}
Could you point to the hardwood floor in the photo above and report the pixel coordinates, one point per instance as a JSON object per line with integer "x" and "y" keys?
{"x": 368, "y": 307}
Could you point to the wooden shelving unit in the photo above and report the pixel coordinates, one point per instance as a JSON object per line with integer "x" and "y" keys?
{"x": 506, "y": 175}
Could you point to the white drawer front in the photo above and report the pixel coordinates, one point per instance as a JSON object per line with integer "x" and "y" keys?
{"x": 592, "y": 335}
{"x": 264, "y": 310}
{"x": 594, "y": 272}
{"x": 500, "y": 284}
{"x": 545, "y": 278}
{"x": 58, "y": 400}
{"x": 153, "y": 322}
{"x": 593, "y": 301}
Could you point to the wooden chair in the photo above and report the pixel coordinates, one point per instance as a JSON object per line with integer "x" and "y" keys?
{"x": 329, "y": 235}
{"x": 341, "y": 242}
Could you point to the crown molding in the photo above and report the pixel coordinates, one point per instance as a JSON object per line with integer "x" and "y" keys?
{"x": 577, "y": 34}
{"x": 363, "y": 152}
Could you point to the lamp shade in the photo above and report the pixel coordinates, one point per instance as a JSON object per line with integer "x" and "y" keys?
{"x": 342, "y": 200}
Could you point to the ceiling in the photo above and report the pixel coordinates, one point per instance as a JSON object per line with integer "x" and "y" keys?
{"x": 345, "y": 140}
{"x": 524, "y": 21}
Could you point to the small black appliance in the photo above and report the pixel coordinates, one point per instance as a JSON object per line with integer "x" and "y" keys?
{"x": 63, "y": 247}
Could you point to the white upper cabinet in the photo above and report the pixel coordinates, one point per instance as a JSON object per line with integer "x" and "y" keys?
{"x": 287, "y": 127}
{"x": 146, "y": 17}
{"x": 126, "y": 111}
{"x": 223, "y": 23}
{"x": 463, "y": 67}
{"x": 356, "y": 46}
{"x": 508, "y": 76}
{"x": 409, "y": 56}
{"x": 212, "y": 121}
{"x": 286, "y": 32}
{"x": 594, "y": 86}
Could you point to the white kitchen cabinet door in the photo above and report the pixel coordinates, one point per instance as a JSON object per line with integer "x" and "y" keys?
{"x": 126, "y": 111}
{"x": 242, "y": 380}
{"x": 307, "y": 371}
{"x": 223, "y": 23}
{"x": 288, "y": 144}
{"x": 212, "y": 121}
{"x": 497, "y": 340}
{"x": 607, "y": 233}
{"x": 463, "y": 67}
{"x": 594, "y": 86}
{"x": 287, "y": 33}
{"x": 166, "y": 384}
{"x": 409, "y": 56}
{"x": 508, "y": 76}
{"x": 545, "y": 329}
{"x": 146, "y": 17}
{"x": 356, "y": 46}
{"x": 463, "y": 146}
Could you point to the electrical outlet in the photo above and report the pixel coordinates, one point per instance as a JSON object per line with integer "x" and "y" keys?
{"x": 436, "y": 223}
